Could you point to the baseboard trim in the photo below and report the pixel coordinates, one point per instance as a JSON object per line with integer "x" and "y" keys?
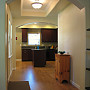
{"x": 18, "y": 59}
{"x": 10, "y": 75}
{"x": 75, "y": 84}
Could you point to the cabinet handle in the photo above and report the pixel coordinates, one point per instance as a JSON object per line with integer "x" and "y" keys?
{"x": 68, "y": 71}
{"x": 60, "y": 73}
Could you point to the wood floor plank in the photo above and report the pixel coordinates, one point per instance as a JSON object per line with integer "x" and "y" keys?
{"x": 40, "y": 78}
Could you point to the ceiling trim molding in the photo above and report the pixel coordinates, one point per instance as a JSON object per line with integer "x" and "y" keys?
{"x": 40, "y": 12}
{"x": 38, "y": 23}
{"x": 77, "y": 3}
{"x": 53, "y": 4}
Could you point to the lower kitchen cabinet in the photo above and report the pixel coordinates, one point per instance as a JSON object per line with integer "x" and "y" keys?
{"x": 62, "y": 67}
{"x": 26, "y": 55}
{"x": 50, "y": 55}
{"x": 39, "y": 57}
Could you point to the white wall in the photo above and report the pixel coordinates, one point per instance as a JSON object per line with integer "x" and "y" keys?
{"x": 81, "y": 4}
{"x": 71, "y": 38}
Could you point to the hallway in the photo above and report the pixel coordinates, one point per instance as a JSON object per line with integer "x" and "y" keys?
{"x": 40, "y": 78}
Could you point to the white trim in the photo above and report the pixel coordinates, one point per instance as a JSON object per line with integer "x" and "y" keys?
{"x": 18, "y": 59}
{"x": 10, "y": 75}
{"x": 10, "y": 56}
{"x": 74, "y": 84}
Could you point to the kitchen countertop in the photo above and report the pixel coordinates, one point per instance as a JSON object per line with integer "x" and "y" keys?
{"x": 38, "y": 49}
{"x": 32, "y": 47}
{"x": 28, "y": 48}
{"x": 35, "y": 48}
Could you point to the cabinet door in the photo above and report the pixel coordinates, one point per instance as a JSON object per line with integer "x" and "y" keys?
{"x": 24, "y": 54}
{"x": 53, "y": 37}
{"x": 49, "y": 35}
{"x": 56, "y": 65}
{"x": 67, "y": 65}
{"x": 30, "y": 54}
{"x": 45, "y": 35}
{"x": 66, "y": 76}
{"x": 24, "y": 35}
{"x": 56, "y": 68}
{"x": 52, "y": 54}
{"x": 60, "y": 70}
{"x": 62, "y": 64}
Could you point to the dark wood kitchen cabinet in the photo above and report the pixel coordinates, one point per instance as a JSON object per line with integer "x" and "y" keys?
{"x": 49, "y": 35}
{"x": 50, "y": 55}
{"x": 24, "y": 34}
{"x": 26, "y": 55}
{"x": 39, "y": 57}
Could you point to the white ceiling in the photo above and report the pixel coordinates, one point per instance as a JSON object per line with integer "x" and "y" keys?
{"x": 50, "y": 8}
{"x": 28, "y": 10}
{"x": 27, "y": 4}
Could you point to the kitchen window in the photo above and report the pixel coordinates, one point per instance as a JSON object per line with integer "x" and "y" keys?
{"x": 34, "y": 39}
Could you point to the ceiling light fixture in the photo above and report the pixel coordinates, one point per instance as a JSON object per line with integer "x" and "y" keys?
{"x": 37, "y": 5}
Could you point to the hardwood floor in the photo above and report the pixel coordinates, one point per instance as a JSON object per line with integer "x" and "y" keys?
{"x": 40, "y": 78}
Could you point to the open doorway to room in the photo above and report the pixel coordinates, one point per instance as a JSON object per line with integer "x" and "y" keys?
{"x": 36, "y": 36}
{"x": 24, "y": 54}
{"x": 44, "y": 77}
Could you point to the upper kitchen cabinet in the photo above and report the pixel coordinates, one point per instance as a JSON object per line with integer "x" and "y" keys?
{"x": 49, "y": 35}
{"x": 24, "y": 34}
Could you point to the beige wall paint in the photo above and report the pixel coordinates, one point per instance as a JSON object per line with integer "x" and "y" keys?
{"x": 18, "y": 43}
{"x": 71, "y": 24}
{"x": 82, "y": 4}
